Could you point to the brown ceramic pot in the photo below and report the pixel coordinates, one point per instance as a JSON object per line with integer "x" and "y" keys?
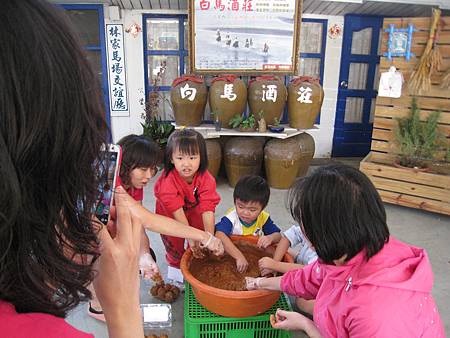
{"x": 214, "y": 152}
{"x": 307, "y": 148}
{"x": 227, "y": 95}
{"x": 227, "y": 303}
{"x": 243, "y": 156}
{"x": 261, "y": 99}
{"x": 304, "y": 102}
{"x": 187, "y": 107}
{"x": 281, "y": 161}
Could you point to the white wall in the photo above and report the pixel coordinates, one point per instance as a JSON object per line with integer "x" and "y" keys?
{"x": 134, "y": 56}
{"x": 323, "y": 135}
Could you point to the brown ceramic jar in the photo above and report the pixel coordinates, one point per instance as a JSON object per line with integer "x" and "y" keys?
{"x": 214, "y": 152}
{"x": 307, "y": 147}
{"x": 281, "y": 161}
{"x": 228, "y": 96}
{"x": 243, "y": 156}
{"x": 304, "y": 102}
{"x": 268, "y": 94}
{"x": 188, "y": 96}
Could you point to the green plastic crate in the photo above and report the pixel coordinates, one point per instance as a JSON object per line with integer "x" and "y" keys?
{"x": 201, "y": 323}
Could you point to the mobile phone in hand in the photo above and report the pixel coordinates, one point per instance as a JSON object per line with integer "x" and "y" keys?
{"x": 108, "y": 170}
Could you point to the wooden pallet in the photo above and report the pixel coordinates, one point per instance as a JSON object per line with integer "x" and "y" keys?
{"x": 427, "y": 191}
{"x": 421, "y": 190}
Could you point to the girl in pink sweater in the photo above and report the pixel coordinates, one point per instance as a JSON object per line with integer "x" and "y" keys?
{"x": 366, "y": 283}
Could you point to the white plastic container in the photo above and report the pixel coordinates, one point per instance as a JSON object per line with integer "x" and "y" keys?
{"x": 156, "y": 316}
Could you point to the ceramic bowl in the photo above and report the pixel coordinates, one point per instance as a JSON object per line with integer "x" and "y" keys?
{"x": 276, "y": 129}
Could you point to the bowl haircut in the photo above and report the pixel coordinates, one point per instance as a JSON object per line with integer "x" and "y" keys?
{"x": 340, "y": 212}
{"x": 189, "y": 142}
{"x": 138, "y": 151}
{"x": 252, "y": 188}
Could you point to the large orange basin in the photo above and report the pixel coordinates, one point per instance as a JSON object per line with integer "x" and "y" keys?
{"x": 230, "y": 303}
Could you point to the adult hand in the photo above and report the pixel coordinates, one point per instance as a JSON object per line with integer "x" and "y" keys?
{"x": 148, "y": 266}
{"x": 241, "y": 264}
{"x": 266, "y": 266}
{"x": 117, "y": 280}
{"x": 213, "y": 244}
{"x": 264, "y": 242}
{"x": 288, "y": 320}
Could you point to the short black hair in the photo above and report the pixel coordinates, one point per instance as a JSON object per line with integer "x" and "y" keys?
{"x": 252, "y": 188}
{"x": 189, "y": 142}
{"x": 138, "y": 151}
{"x": 340, "y": 212}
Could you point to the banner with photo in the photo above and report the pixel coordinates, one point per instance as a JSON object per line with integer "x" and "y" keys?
{"x": 245, "y": 36}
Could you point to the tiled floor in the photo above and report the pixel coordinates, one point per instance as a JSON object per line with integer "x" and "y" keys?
{"x": 427, "y": 230}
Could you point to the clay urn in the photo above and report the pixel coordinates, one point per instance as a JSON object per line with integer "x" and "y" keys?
{"x": 237, "y": 304}
{"x": 267, "y": 93}
{"x": 188, "y": 96}
{"x": 307, "y": 147}
{"x": 281, "y": 162}
{"x": 304, "y": 102}
{"x": 243, "y": 156}
{"x": 227, "y": 95}
{"x": 214, "y": 153}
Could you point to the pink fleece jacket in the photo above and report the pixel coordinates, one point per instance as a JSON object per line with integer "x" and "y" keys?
{"x": 387, "y": 296}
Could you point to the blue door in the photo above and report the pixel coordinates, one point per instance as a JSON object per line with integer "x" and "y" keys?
{"x": 356, "y": 93}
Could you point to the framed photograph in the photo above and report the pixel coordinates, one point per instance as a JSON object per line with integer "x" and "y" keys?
{"x": 244, "y": 36}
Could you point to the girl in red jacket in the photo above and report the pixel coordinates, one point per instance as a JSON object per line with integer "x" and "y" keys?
{"x": 186, "y": 191}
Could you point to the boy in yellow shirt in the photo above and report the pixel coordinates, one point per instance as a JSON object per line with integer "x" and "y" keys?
{"x": 248, "y": 218}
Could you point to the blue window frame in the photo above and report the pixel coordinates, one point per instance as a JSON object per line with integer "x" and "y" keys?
{"x": 89, "y": 21}
{"x": 165, "y": 39}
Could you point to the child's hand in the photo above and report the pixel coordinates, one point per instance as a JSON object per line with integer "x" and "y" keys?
{"x": 252, "y": 283}
{"x": 241, "y": 264}
{"x": 197, "y": 251}
{"x": 264, "y": 241}
{"x": 288, "y": 320}
{"x": 148, "y": 266}
{"x": 266, "y": 266}
{"x": 213, "y": 244}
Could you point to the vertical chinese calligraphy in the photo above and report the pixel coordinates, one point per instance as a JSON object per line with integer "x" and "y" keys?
{"x": 116, "y": 70}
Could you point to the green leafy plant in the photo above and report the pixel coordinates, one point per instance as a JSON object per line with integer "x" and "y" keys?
{"x": 235, "y": 121}
{"x": 276, "y": 122}
{"x": 159, "y": 131}
{"x": 153, "y": 127}
{"x": 418, "y": 141}
{"x": 242, "y": 122}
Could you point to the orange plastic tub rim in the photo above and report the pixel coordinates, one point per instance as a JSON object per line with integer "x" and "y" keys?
{"x": 230, "y": 303}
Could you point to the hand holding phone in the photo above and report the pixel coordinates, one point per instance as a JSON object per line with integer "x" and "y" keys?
{"x": 108, "y": 170}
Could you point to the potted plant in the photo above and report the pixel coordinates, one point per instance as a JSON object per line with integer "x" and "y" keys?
{"x": 275, "y": 127}
{"x": 153, "y": 127}
{"x": 216, "y": 118}
{"x": 244, "y": 123}
{"x": 262, "y": 126}
{"x": 419, "y": 141}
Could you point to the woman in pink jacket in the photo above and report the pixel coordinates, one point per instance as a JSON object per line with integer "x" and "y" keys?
{"x": 366, "y": 283}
